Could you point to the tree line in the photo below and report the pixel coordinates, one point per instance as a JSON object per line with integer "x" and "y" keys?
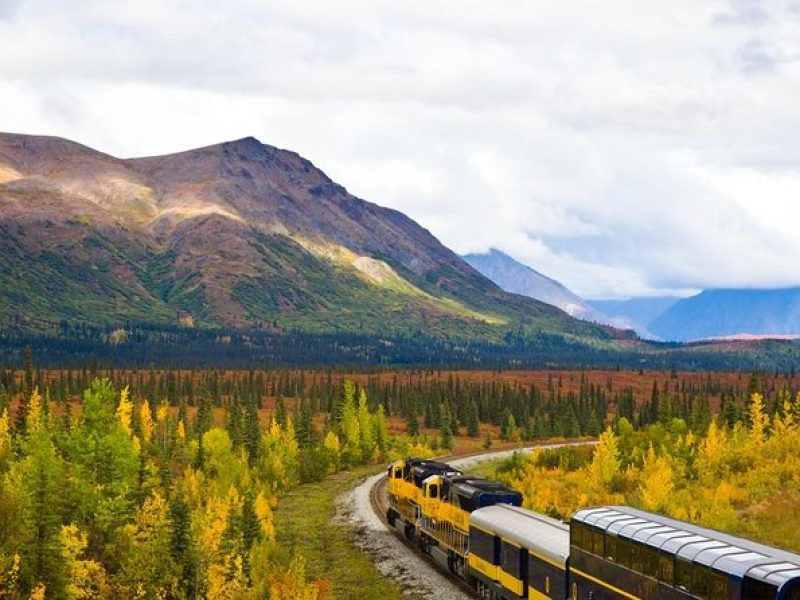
{"x": 69, "y": 343}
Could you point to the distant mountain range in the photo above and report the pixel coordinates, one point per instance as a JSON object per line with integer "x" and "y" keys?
{"x": 238, "y": 234}
{"x": 637, "y": 313}
{"x": 731, "y": 313}
{"x": 517, "y": 278}
{"x": 513, "y": 276}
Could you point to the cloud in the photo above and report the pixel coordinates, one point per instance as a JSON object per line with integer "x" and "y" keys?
{"x": 625, "y": 149}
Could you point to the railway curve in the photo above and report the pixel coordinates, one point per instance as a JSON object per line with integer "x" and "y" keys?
{"x": 365, "y": 507}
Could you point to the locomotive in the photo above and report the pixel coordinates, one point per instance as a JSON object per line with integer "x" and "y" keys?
{"x": 477, "y": 530}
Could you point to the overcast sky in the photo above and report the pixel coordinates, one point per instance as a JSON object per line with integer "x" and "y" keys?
{"x": 625, "y": 148}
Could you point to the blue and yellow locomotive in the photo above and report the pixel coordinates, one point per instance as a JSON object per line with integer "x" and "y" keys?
{"x": 476, "y": 529}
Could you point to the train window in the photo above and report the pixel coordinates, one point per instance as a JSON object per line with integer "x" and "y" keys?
{"x": 597, "y": 542}
{"x": 624, "y": 552}
{"x": 666, "y": 563}
{"x": 575, "y": 529}
{"x": 611, "y": 547}
{"x": 793, "y": 594}
{"x": 683, "y": 574}
{"x": 699, "y": 584}
{"x": 717, "y": 585}
{"x": 433, "y": 491}
{"x": 482, "y": 545}
{"x": 649, "y": 561}
{"x": 758, "y": 590}
{"x": 636, "y": 557}
{"x": 511, "y": 559}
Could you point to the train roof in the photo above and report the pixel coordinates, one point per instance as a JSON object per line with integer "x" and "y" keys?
{"x": 472, "y": 485}
{"x": 724, "y": 552}
{"x": 538, "y": 533}
{"x": 421, "y": 469}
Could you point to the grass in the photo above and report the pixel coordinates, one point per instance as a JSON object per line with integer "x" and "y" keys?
{"x": 304, "y": 523}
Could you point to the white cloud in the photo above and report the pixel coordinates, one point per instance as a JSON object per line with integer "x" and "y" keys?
{"x": 624, "y": 148}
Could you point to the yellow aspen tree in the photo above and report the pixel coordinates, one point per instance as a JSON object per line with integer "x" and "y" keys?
{"x": 38, "y": 592}
{"x": 332, "y": 445}
{"x": 605, "y": 462}
{"x": 365, "y": 428}
{"x": 5, "y": 435}
{"x": 162, "y": 412}
{"x": 10, "y": 578}
{"x": 656, "y": 482}
{"x": 263, "y": 509}
{"x": 352, "y": 432}
{"x": 34, "y": 418}
{"x": 713, "y": 453}
{"x": 146, "y": 419}
{"x": 292, "y": 584}
{"x": 125, "y": 410}
{"x": 87, "y": 578}
{"x": 758, "y": 422}
{"x": 181, "y": 431}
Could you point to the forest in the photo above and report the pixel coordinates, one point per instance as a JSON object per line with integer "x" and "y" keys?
{"x": 125, "y": 496}
{"x": 141, "y": 345}
{"x": 740, "y": 475}
{"x": 159, "y": 483}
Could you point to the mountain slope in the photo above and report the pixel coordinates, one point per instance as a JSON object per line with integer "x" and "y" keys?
{"x": 238, "y": 234}
{"x": 517, "y": 278}
{"x": 729, "y": 312}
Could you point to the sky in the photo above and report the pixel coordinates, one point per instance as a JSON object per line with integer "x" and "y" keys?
{"x": 625, "y": 148}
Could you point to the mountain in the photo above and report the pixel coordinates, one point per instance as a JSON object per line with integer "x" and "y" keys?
{"x": 240, "y": 235}
{"x": 731, "y": 313}
{"x": 517, "y": 278}
{"x": 637, "y": 313}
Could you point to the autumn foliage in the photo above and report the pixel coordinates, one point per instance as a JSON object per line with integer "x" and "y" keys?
{"x": 742, "y": 478}
{"x": 133, "y": 499}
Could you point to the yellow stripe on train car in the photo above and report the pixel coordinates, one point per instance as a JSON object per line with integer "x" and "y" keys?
{"x": 534, "y": 594}
{"x": 510, "y": 582}
{"x": 483, "y": 566}
{"x": 604, "y": 584}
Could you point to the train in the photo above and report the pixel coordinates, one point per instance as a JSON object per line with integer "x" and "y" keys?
{"x": 477, "y": 530}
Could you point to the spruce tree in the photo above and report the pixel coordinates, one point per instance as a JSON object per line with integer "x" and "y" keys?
{"x": 280, "y": 411}
{"x": 473, "y": 425}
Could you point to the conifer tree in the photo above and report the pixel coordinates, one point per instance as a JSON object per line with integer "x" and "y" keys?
{"x": 252, "y": 433}
{"x": 446, "y": 427}
{"x": 280, "y": 411}
{"x": 473, "y": 425}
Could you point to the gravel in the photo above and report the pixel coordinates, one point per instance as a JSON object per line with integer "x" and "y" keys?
{"x": 415, "y": 575}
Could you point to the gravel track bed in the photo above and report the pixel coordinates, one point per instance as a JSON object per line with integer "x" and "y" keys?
{"x": 416, "y": 576}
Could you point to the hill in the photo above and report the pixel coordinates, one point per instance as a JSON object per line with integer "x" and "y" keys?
{"x": 238, "y": 235}
{"x": 732, "y": 313}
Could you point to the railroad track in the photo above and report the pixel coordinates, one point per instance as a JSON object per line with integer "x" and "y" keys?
{"x": 379, "y": 499}
{"x": 380, "y": 502}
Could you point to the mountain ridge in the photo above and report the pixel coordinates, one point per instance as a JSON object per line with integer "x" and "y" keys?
{"x": 732, "y": 312}
{"x": 238, "y": 234}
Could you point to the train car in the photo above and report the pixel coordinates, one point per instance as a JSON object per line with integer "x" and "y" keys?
{"x": 446, "y": 503}
{"x": 516, "y": 553}
{"x": 405, "y": 486}
{"x": 622, "y": 552}
{"x": 475, "y": 528}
